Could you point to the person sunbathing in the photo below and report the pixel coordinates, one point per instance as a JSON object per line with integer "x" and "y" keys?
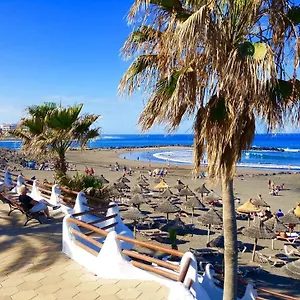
{"x": 34, "y": 206}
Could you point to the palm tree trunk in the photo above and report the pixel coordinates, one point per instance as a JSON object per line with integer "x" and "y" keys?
{"x": 230, "y": 239}
{"x": 60, "y": 166}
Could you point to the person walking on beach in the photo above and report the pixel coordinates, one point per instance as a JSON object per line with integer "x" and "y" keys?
{"x": 86, "y": 170}
{"x": 35, "y": 206}
{"x": 92, "y": 172}
{"x": 279, "y": 213}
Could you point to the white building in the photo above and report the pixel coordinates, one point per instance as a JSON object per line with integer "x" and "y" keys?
{"x": 7, "y": 127}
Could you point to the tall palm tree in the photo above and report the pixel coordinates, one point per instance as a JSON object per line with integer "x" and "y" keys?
{"x": 51, "y": 130}
{"x": 223, "y": 63}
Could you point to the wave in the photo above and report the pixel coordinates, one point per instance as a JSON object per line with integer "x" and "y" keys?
{"x": 110, "y": 137}
{"x": 186, "y": 157}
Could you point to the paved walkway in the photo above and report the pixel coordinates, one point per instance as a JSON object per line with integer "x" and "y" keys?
{"x": 33, "y": 267}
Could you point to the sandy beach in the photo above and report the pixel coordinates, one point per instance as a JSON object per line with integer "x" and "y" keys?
{"x": 247, "y": 184}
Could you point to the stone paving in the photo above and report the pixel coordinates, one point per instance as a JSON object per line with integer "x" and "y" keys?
{"x": 32, "y": 266}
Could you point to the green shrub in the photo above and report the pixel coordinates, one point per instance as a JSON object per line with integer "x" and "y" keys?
{"x": 80, "y": 182}
{"x": 92, "y": 185}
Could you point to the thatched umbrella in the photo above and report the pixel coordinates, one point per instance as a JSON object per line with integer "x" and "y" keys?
{"x": 167, "y": 207}
{"x": 133, "y": 214}
{"x": 290, "y": 219}
{"x": 275, "y": 225}
{"x": 162, "y": 185}
{"x": 194, "y": 202}
{"x": 137, "y": 199}
{"x": 180, "y": 185}
{"x": 202, "y": 190}
{"x": 166, "y": 193}
{"x": 297, "y": 210}
{"x": 212, "y": 217}
{"x": 137, "y": 189}
{"x": 121, "y": 185}
{"x": 124, "y": 179}
{"x": 259, "y": 202}
{"x": 293, "y": 269}
{"x": 142, "y": 182}
{"x": 103, "y": 179}
{"x": 257, "y": 231}
{"x": 186, "y": 191}
{"x": 217, "y": 242}
{"x": 247, "y": 208}
{"x": 212, "y": 197}
{"x": 114, "y": 192}
{"x": 142, "y": 177}
{"x": 177, "y": 225}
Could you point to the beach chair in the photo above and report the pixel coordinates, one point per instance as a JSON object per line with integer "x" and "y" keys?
{"x": 252, "y": 268}
{"x": 290, "y": 237}
{"x": 273, "y": 261}
{"x": 153, "y": 234}
{"x": 291, "y": 250}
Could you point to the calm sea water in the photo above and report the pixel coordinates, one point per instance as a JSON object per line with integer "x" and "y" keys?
{"x": 288, "y": 158}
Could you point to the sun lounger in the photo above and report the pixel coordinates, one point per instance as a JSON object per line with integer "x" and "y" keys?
{"x": 290, "y": 237}
{"x": 244, "y": 270}
{"x": 291, "y": 250}
{"x": 273, "y": 261}
{"x": 153, "y": 233}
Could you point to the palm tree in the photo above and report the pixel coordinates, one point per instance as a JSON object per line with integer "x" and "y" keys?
{"x": 51, "y": 130}
{"x": 223, "y": 63}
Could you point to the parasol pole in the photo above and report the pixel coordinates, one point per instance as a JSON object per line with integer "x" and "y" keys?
{"x": 134, "y": 229}
{"x": 193, "y": 215}
{"x": 273, "y": 244}
{"x": 248, "y": 219}
{"x": 208, "y": 233}
{"x": 254, "y": 249}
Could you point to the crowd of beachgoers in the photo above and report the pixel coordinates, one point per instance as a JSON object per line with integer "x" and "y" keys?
{"x": 14, "y": 160}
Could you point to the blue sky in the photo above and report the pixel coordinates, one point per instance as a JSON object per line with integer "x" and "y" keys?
{"x": 67, "y": 51}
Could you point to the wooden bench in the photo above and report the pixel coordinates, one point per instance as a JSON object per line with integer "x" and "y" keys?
{"x": 14, "y": 204}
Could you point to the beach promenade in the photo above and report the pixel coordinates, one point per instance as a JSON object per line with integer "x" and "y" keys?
{"x": 32, "y": 266}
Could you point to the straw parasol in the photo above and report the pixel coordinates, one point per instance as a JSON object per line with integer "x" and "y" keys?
{"x": 297, "y": 210}
{"x": 177, "y": 225}
{"x": 275, "y": 225}
{"x": 293, "y": 269}
{"x": 142, "y": 182}
{"x": 212, "y": 217}
{"x": 217, "y": 242}
{"x": 137, "y": 189}
{"x": 211, "y": 197}
{"x": 162, "y": 185}
{"x": 121, "y": 185}
{"x": 137, "y": 199}
{"x": 103, "y": 179}
{"x": 124, "y": 179}
{"x": 194, "y": 202}
{"x": 114, "y": 192}
{"x": 202, "y": 190}
{"x": 257, "y": 231}
{"x": 259, "y": 202}
{"x": 290, "y": 219}
{"x": 247, "y": 208}
{"x": 142, "y": 177}
{"x": 167, "y": 207}
{"x": 133, "y": 214}
{"x": 180, "y": 185}
{"x": 186, "y": 191}
{"x": 166, "y": 193}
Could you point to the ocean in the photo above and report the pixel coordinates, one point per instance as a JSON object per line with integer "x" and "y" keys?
{"x": 280, "y": 151}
